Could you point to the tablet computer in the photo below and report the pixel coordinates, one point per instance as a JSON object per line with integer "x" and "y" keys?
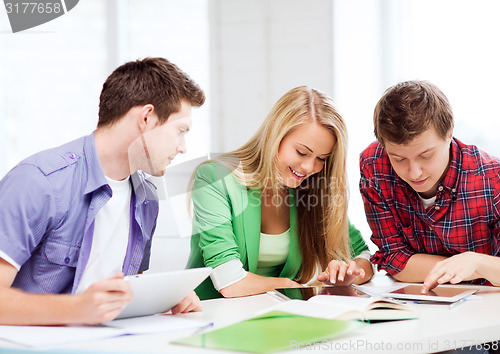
{"x": 306, "y": 292}
{"x": 159, "y": 292}
{"x": 441, "y": 293}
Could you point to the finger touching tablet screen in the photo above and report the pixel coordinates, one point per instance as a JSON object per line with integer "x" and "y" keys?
{"x": 441, "y": 293}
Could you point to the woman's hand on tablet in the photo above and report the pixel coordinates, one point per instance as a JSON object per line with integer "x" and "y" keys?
{"x": 190, "y": 303}
{"x": 341, "y": 273}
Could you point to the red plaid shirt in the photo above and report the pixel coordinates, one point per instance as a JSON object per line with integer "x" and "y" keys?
{"x": 464, "y": 217}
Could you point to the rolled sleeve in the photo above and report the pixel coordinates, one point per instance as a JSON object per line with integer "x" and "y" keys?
{"x": 393, "y": 262}
{"x": 365, "y": 255}
{"x": 9, "y": 260}
{"x": 227, "y": 274}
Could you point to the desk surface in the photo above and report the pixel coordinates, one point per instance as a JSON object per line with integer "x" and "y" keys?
{"x": 437, "y": 329}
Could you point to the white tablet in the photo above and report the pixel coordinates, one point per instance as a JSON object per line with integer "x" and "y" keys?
{"x": 441, "y": 293}
{"x": 307, "y": 292}
{"x": 159, "y": 292}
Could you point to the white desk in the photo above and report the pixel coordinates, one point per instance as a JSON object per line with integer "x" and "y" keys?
{"x": 437, "y": 329}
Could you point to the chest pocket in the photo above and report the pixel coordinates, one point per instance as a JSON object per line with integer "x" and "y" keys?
{"x": 57, "y": 266}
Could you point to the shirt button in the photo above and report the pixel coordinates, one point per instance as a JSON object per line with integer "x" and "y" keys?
{"x": 440, "y": 188}
{"x": 453, "y": 190}
{"x": 72, "y": 156}
{"x": 66, "y": 260}
{"x": 437, "y": 207}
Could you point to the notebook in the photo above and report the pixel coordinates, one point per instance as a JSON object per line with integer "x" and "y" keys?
{"x": 271, "y": 332}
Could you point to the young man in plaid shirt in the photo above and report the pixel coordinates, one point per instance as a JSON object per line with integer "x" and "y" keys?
{"x": 432, "y": 202}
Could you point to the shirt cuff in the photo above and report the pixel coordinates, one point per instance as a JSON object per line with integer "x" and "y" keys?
{"x": 227, "y": 274}
{"x": 9, "y": 260}
{"x": 392, "y": 262}
{"x": 366, "y": 255}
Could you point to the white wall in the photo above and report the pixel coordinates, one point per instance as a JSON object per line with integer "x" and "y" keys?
{"x": 259, "y": 50}
{"x": 360, "y": 35}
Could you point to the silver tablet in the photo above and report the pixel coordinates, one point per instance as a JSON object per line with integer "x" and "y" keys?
{"x": 158, "y": 292}
{"x": 441, "y": 293}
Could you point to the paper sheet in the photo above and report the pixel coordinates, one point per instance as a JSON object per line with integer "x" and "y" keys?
{"x": 43, "y": 336}
{"x": 47, "y": 336}
{"x": 155, "y": 324}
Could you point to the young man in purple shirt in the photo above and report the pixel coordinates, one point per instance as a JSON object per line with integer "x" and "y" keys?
{"x": 76, "y": 218}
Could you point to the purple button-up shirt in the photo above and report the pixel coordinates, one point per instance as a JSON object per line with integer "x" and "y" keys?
{"x": 48, "y": 204}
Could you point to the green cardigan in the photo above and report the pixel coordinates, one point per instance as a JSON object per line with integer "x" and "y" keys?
{"x": 226, "y": 226}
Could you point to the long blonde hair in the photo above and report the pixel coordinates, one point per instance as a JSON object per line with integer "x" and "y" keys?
{"x": 322, "y": 228}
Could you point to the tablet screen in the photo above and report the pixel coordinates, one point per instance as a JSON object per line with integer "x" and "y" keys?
{"x": 306, "y": 292}
{"x": 440, "y": 293}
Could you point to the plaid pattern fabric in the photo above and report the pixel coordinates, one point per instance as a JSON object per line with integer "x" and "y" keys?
{"x": 464, "y": 217}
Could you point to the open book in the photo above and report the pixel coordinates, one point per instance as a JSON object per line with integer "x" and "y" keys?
{"x": 349, "y": 308}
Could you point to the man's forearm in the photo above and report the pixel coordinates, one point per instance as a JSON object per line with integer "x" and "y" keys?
{"x": 489, "y": 268}
{"x": 417, "y": 267}
{"x": 20, "y": 308}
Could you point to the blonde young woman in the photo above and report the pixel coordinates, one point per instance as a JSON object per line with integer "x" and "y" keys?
{"x": 273, "y": 213}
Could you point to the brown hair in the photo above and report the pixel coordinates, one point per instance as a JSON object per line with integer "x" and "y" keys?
{"x": 153, "y": 81}
{"x": 408, "y": 109}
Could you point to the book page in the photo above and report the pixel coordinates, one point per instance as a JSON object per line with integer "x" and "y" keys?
{"x": 369, "y": 308}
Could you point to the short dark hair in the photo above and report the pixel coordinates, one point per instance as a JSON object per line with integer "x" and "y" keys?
{"x": 408, "y": 109}
{"x": 153, "y": 81}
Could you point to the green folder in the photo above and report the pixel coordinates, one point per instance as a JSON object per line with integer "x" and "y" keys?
{"x": 271, "y": 332}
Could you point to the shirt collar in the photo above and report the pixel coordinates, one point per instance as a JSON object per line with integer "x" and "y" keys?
{"x": 144, "y": 190}
{"x": 95, "y": 174}
{"x": 452, "y": 176}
